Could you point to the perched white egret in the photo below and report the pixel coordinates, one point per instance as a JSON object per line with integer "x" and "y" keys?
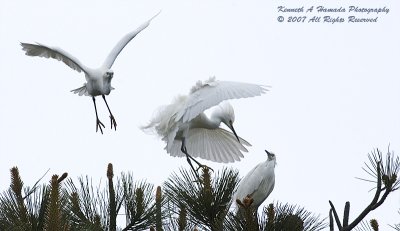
{"x": 187, "y": 130}
{"x": 258, "y": 183}
{"x": 98, "y": 80}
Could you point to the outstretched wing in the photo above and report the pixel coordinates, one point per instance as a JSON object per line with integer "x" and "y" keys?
{"x": 218, "y": 145}
{"x": 41, "y": 50}
{"x": 123, "y": 42}
{"x": 212, "y": 92}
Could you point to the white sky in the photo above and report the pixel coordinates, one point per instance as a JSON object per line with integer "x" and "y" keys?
{"x": 334, "y": 96}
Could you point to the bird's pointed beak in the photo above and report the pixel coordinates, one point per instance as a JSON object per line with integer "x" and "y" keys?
{"x": 268, "y": 153}
{"x": 270, "y": 156}
{"x": 233, "y": 130}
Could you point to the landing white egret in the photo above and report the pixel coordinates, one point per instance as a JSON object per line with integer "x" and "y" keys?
{"x": 187, "y": 130}
{"x": 98, "y": 80}
{"x": 258, "y": 183}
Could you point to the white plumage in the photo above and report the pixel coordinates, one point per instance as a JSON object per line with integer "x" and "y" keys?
{"x": 258, "y": 183}
{"x": 185, "y": 128}
{"x": 98, "y": 80}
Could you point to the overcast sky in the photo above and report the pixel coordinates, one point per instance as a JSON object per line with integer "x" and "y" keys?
{"x": 334, "y": 93}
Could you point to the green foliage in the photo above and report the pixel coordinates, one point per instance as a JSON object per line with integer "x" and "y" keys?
{"x": 159, "y": 214}
{"x": 389, "y": 169}
{"x": 112, "y": 203}
{"x": 176, "y": 218}
{"x": 56, "y": 216}
{"x": 276, "y": 217}
{"x": 245, "y": 218}
{"x": 13, "y": 208}
{"x": 186, "y": 202}
{"x": 139, "y": 203}
{"x": 206, "y": 201}
{"x": 28, "y": 212}
{"x": 384, "y": 173}
{"x": 87, "y": 208}
{"x": 182, "y": 220}
{"x": 289, "y": 217}
{"x": 36, "y": 204}
{"x": 371, "y": 225}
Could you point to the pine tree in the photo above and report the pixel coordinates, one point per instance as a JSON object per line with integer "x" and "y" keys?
{"x": 184, "y": 202}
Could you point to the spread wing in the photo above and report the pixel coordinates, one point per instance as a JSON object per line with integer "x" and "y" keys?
{"x": 212, "y": 92}
{"x": 41, "y": 50}
{"x": 218, "y": 145}
{"x": 123, "y": 42}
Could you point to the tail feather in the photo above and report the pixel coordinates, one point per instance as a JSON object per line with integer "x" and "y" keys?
{"x": 81, "y": 91}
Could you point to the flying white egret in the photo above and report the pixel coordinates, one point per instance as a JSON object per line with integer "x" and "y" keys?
{"x": 258, "y": 183}
{"x": 98, "y": 80}
{"x": 186, "y": 129}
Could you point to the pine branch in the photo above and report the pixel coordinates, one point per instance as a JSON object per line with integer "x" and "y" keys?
{"x": 371, "y": 225}
{"x": 385, "y": 176}
{"x": 247, "y": 213}
{"x": 139, "y": 203}
{"x": 206, "y": 201}
{"x": 53, "y": 216}
{"x": 182, "y": 221}
{"x": 35, "y": 185}
{"x": 158, "y": 209}
{"x": 112, "y": 205}
{"x": 16, "y": 186}
{"x": 289, "y": 217}
{"x": 87, "y": 206}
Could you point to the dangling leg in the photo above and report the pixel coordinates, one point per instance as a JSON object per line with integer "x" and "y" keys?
{"x": 98, "y": 123}
{"x": 113, "y": 122}
{"x": 189, "y": 158}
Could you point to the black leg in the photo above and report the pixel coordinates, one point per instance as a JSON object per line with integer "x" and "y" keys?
{"x": 113, "y": 122}
{"x": 99, "y": 124}
{"x": 189, "y": 158}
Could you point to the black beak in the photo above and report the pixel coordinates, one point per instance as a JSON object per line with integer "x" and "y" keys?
{"x": 270, "y": 155}
{"x": 233, "y": 130}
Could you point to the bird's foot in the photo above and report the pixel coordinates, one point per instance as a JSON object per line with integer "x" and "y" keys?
{"x": 99, "y": 124}
{"x": 204, "y": 167}
{"x": 113, "y": 122}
